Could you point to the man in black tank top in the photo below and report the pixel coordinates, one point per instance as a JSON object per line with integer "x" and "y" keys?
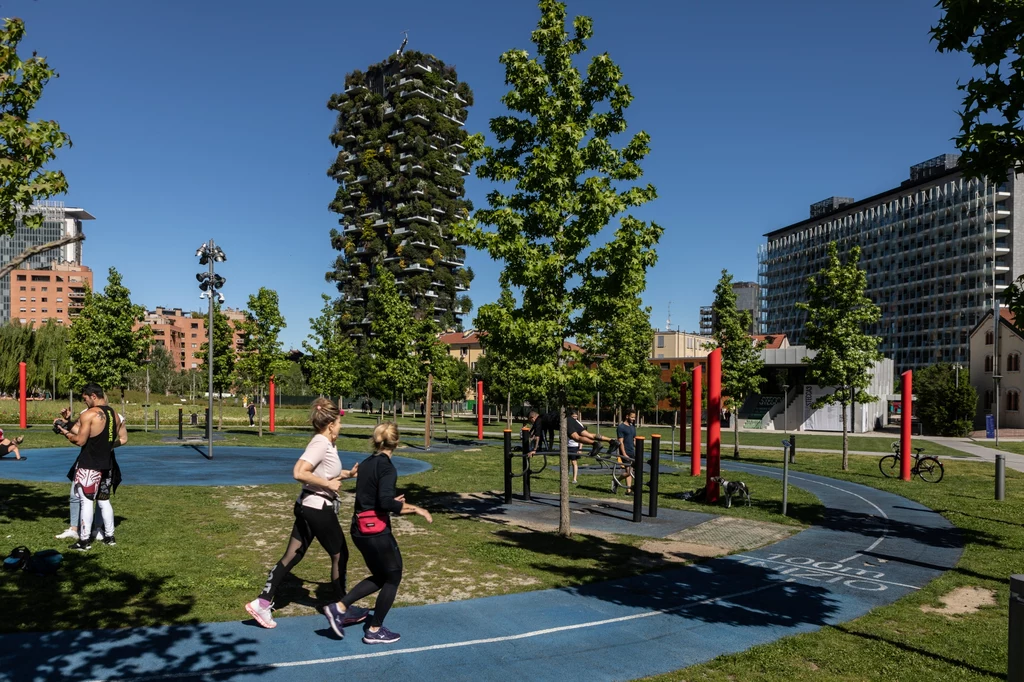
{"x": 98, "y": 431}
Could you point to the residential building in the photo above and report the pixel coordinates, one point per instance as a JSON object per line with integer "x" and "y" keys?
{"x": 54, "y": 292}
{"x": 400, "y": 169}
{"x": 58, "y": 221}
{"x": 464, "y": 346}
{"x": 677, "y": 344}
{"x": 934, "y": 249}
{"x": 183, "y": 333}
{"x": 987, "y": 357}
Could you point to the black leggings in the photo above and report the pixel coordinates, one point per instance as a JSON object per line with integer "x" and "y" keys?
{"x": 310, "y": 523}
{"x": 385, "y": 563}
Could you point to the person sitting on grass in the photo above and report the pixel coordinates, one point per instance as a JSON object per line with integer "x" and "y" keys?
{"x": 7, "y": 446}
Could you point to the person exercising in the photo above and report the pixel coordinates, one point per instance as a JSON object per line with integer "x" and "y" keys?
{"x": 578, "y": 437}
{"x": 8, "y": 446}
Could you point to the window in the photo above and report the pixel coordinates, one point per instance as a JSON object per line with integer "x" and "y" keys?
{"x": 60, "y": 288}
{"x": 21, "y": 278}
{"x": 664, "y": 365}
{"x": 44, "y": 310}
{"x": 1013, "y": 362}
{"x": 1012, "y": 401}
{"x": 988, "y": 337}
{"x": 44, "y": 300}
{"x": 661, "y": 342}
{"x": 40, "y": 278}
{"x": 988, "y": 399}
{"x": 193, "y": 345}
{"x": 195, "y": 325}
{"x": 988, "y": 363}
{"x": 21, "y": 288}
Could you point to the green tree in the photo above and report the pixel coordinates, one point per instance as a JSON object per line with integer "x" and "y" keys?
{"x": 944, "y": 407}
{"x": 451, "y": 380}
{"x": 224, "y": 356}
{"x": 570, "y": 181}
{"x": 991, "y": 138}
{"x": 392, "y": 367}
{"x": 291, "y": 381}
{"x": 16, "y": 346}
{"x": 261, "y": 356}
{"x": 51, "y": 355}
{"x": 27, "y": 146}
{"x": 741, "y": 358}
{"x": 161, "y": 369}
{"x": 838, "y": 312}
{"x": 507, "y": 353}
{"x": 330, "y": 362}
{"x": 107, "y": 344}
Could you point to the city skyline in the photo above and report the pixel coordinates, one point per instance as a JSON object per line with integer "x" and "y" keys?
{"x": 231, "y": 141}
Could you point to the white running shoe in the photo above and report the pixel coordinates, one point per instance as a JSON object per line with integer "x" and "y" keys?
{"x": 68, "y": 534}
{"x": 259, "y": 614}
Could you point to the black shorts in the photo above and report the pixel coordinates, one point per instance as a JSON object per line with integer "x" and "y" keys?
{"x": 574, "y": 454}
{"x": 321, "y": 524}
{"x": 4, "y": 449}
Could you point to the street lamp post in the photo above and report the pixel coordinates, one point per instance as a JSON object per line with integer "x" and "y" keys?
{"x": 785, "y": 408}
{"x": 210, "y": 282}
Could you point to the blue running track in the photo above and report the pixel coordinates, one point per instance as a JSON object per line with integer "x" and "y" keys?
{"x": 871, "y": 549}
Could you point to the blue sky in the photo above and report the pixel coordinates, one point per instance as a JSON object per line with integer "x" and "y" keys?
{"x": 198, "y": 119}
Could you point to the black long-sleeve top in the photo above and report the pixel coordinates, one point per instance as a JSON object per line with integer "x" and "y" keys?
{"x": 375, "y": 488}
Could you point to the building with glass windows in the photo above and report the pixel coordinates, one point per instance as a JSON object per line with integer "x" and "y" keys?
{"x": 935, "y": 248}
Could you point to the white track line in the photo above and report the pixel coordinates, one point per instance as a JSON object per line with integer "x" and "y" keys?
{"x": 824, "y": 570}
{"x": 433, "y": 647}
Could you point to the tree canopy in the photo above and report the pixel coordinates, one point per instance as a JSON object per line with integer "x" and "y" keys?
{"x": 330, "y": 354}
{"x": 260, "y": 357}
{"x": 392, "y": 368}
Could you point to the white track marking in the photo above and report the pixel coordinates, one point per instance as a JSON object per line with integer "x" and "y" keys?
{"x": 259, "y": 667}
{"x": 811, "y": 567}
{"x": 849, "y": 558}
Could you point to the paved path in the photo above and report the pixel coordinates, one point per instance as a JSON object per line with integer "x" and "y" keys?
{"x": 872, "y": 548}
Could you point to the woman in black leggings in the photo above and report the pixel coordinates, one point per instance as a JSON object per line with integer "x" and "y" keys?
{"x": 371, "y": 533}
{"x": 316, "y": 513}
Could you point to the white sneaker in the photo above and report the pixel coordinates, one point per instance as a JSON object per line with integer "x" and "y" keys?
{"x": 68, "y": 534}
{"x": 261, "y": 615}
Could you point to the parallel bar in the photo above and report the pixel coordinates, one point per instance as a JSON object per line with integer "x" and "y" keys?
{"x": 652, "y": 501}
{"x": 638, "y": 480}
{"x": 508, "y": 466}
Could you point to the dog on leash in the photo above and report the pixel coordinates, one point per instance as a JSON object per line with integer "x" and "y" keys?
{"x": 732, "y": 489}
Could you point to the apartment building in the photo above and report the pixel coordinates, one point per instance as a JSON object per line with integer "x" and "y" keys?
{"x": 55, "y": 292}
{"x": 183, "y": 333}
{"x": 935, "y": 248}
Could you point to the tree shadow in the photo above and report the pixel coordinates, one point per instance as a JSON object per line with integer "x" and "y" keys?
{"x": 945, "y": 660}
{"x": 26, "y": 502}
{"x": 120, "y": 605}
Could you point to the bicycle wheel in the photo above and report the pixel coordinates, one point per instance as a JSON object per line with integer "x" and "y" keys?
{"x": 930, "y": 469}
{"x": 889, "y": 466}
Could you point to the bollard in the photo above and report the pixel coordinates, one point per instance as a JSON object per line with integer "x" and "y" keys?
{"x": 785, "y": 473}
{"x": 652, "y": 501}
{"x": 638, "y": 479}
{"x": 181, "y": 423}
{"x": 156, "y": 420}
{"x": 508, "y": 466}
{"x": 1015, "y": 660}
{"x": 792, "y": 448}
{"x": 1000, "y": 477}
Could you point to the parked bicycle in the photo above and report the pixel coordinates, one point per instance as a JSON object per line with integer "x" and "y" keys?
{"x": 928, "y": 468}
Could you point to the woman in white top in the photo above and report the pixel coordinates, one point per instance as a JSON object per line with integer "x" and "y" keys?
{"x": 316, "y": 513}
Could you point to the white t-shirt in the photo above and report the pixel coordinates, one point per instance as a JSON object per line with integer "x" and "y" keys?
{"x": 326, "y": 464}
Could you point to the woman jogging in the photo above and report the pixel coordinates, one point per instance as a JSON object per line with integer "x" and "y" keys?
{"x": 371, "y": 533}
{"x": 316, "y": 513}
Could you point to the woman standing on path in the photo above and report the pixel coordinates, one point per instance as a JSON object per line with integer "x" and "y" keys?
{"x": 371, "y": 533}
{"x": 316, "y": 513}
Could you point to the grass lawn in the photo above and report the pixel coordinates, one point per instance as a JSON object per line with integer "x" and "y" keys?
{"x": 195, "y": 554}
{"x": 900, "y": 641}
{"x": 1007, "y": 446}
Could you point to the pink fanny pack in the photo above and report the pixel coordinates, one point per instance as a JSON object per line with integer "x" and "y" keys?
{"x": 371, "y": 522}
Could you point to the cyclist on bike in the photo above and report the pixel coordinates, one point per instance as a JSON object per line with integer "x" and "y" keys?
{"x": 626, "y": 435}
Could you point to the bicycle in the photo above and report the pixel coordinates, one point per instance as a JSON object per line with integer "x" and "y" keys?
{"x": 928, "y": 468}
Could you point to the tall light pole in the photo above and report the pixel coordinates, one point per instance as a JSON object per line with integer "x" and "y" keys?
{"x": 210, "y": 282}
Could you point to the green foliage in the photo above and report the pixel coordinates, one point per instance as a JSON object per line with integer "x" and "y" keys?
{"x": 508, "y": 351}
{"x": 17, "y": 345}
{"x": 555, "y": 147}
{"x": 392, "y": 366}
{"x": 290, "y": 380}
{"x": 224, "y": 351}
{"x": 944, "y": 408}
{"x": 51, "y": 356}
{"x": 104, "y": 345}
{"x": 330, "y": 354}
{"x": 838, "y": 312}
{"x": 161, "y": 371}
{"x": 260, "y": 357}
{"x": 991, "y": 33}
{"x": 28, "y": 146}
{"x": 451, "y": 379}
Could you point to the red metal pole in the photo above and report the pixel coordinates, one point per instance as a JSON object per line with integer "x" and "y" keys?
{"x": 698, "y": 398}
{"x": 271, "y": 404}
{"x": 22, "y": 398}
{"x": 907, "y": 387}
{"x": 714, "y": 423}
{"x": 479, "y": 410}
{"x": 682, "y": 417}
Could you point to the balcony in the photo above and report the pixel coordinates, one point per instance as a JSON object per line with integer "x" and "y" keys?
{"x": 457, "y": 147}
{"x": 460, "y": 169}
{"x": 420, "y": 68}
{"x": 454, "y": 262}
{"x": 412, "y": 168}
{"x": 416, "y": 267}
{"x": 370, "y": 214}
{"x": 354, "y": 88}
{"x": 397, "y": 133}
{"x": 429, "y": 293}
{"x": 362, "y": 179}
{"x": 418, "y": 219}
{"x": 417, "y": 93}
{"x": 417, "y": 118}
{"x": 453, "y": 120}
{"x": 350, "y": 229}
{"x": 400, "y": 231}
{"x": 380, "y": 223}
{"x": 346, "y": 209}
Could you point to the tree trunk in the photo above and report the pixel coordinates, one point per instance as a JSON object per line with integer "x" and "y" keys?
{"x": 564, "y": 524}
{"x": 736, "y": 434}
{"x": 846, "y": 441}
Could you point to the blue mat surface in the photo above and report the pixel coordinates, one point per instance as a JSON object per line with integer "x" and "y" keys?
{"x": 185, "y": 465}
{"x": 871, "y": 548}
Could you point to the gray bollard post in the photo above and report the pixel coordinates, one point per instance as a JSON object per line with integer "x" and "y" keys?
{"x": 1015, "y": 660}
{"x": 1000, "y": 477}
{"x": 652, "y": 500}
{"x": 792, "y": 448}
{"x": 508, "y": 466}
{"x": 638, "y": 480}
{"x": 181, "y": 423}
{"x": 156, "y": 420}
{"x": 785, "y": 475}
{"x": 524, "y": 436}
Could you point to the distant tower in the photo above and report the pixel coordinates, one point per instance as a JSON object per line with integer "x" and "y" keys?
{"x": 400, "y": 169}
{"x": 668, "y": 322}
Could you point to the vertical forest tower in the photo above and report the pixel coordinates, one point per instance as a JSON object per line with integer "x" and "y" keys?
{"x": 400, "y": 171}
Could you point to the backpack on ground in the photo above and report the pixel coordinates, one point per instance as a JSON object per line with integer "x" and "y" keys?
{"x": 17, "y": 559}
{"x": 45, "y": 562}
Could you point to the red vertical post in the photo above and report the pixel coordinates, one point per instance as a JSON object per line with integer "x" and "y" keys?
{"x": 714, "y": 423}
{"x": 682, "y": 417}
{"x": 479, "y": 410}
{"x": 22, "y": 397}
{"x": 698, "y": 399}
{"x": 907, "y": 389}
{"x": 271, "y": 404}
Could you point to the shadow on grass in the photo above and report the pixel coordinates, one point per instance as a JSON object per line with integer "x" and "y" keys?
{"x": 917, "y": 651}
{"x": 26, "y": 502}
{"x": 721, "y": 592}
